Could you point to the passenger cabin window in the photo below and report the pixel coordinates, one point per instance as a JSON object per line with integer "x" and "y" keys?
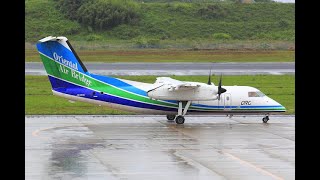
{"x": 255, "y": 94}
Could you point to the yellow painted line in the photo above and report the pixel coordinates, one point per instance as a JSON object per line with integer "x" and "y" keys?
{"x": 253, "y": 166}
{"x": 36, "y": 132}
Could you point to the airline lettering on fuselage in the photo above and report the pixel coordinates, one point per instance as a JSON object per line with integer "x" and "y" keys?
{"x": 245, "y": 102}
{"x": 65, "y": 62}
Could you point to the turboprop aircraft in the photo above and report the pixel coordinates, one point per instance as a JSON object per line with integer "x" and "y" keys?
{"x": 70, "y": 79}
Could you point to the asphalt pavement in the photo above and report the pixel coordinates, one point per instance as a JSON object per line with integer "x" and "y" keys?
{"x": 149, "y": 147}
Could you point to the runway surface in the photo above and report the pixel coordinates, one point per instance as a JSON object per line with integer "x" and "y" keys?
{"x": 149, "y": 147}
{"x": 36, "y": 68}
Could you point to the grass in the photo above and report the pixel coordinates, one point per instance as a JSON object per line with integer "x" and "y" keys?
{"x": 39, "y": 98}
{"x": 175, "y": 56}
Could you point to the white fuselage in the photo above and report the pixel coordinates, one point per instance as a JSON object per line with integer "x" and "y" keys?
{"x": 235, "y": 100}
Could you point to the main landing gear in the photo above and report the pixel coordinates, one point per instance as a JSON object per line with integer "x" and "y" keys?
{"x": 265, "y": 119}
{"x": 180, "y": 117}
{"x": 171, "y": 117}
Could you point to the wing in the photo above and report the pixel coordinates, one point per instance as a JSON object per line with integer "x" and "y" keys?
{"x": 175, "y": 85}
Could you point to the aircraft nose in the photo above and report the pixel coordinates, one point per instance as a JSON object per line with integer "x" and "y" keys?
{"x": 277, "y": 105}
{"x": 281, "y": 107}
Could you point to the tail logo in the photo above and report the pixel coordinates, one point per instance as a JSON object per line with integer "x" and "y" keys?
{"x": 65, "y": 62}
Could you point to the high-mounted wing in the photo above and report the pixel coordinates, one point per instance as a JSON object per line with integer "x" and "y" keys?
{"x": 175, "y": 85}
{"x": 166, "y": 88}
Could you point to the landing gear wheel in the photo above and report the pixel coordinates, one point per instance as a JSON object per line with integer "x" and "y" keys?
{"x": 265, "y": 119}
{"x": 171, "y": 117}
{"x": 179, "y": 119}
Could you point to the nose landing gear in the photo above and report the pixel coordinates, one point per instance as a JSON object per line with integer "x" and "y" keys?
{"x": 265, "y": 119}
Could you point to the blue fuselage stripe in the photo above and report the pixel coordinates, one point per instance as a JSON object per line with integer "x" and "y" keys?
{"x": 120, "y": 84}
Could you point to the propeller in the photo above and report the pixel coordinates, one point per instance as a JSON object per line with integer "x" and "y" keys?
{"x": 209, "y": 80}
{"x": 220, "y": 89}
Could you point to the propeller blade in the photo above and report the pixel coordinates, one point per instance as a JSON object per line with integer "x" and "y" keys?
{"x": 220, "y": 89}
{"x": 209, "y": 80}
{"x": 220, "y": 81}
{"x": 219, "y": 86}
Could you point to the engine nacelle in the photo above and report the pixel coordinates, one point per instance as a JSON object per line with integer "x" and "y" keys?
{"x": 166, "y": 92}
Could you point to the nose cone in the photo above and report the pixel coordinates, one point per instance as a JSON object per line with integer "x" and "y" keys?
{"x": 282, "y": 108}
{"x": 277, "y": 106}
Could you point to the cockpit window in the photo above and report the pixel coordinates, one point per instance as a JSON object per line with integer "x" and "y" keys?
{"x": 255, "y": 94}
{"x": 260, "y": 94}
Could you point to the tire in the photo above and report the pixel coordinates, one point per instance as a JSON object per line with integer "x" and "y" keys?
{"x": 171, "y": 117}
{"x": 265, "y": 120}
{"x": 179, "y": 119}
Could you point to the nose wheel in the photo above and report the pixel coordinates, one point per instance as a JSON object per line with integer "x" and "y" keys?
{"x": 265, "y": 119}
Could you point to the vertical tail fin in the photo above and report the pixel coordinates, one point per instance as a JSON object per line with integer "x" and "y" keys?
{"x": 61, "y": 62}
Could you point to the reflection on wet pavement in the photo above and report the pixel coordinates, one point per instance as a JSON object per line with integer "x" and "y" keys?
{"x": 149, "y": 147}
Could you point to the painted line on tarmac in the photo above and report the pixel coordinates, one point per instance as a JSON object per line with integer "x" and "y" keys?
{"x": 262, "y": 171}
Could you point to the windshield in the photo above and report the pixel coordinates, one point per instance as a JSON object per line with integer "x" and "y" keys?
{"x": 260, "y": 94}
{"x": 255, "y": 94}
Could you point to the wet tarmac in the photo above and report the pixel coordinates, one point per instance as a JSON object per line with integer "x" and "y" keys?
{"x": 149, "y": 147}
{"x": 163, "y": 69}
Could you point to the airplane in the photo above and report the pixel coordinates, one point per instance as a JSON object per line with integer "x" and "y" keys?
{"x": 70, "y": 79}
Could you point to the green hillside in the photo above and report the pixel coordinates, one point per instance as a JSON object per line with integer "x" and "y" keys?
{"x": 174, "y": 22}
{"x": 43, "y": 19}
